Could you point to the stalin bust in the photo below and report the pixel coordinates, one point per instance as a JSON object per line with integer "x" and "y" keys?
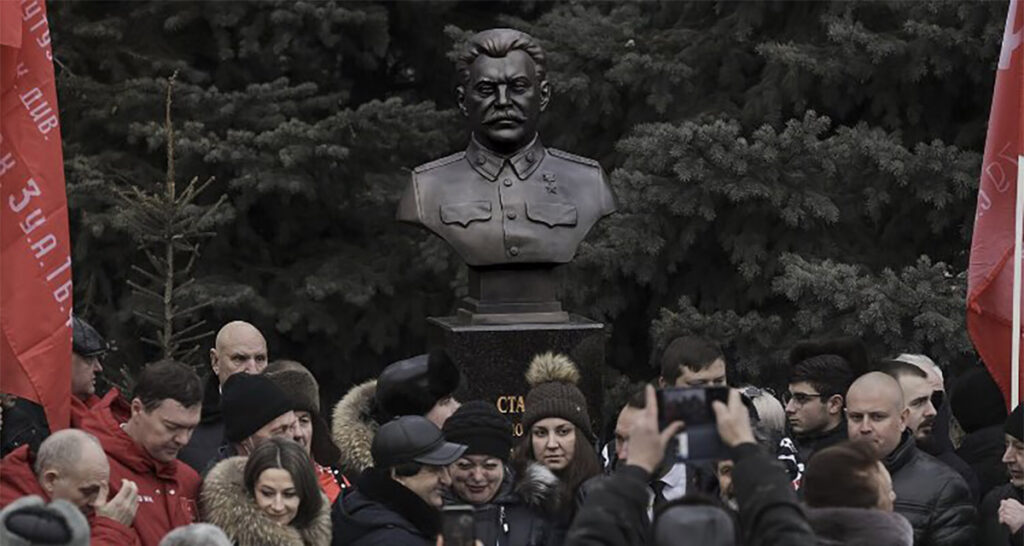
{"x": 512, "y": 208}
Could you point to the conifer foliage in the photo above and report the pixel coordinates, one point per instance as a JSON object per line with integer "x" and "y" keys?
{"x": 783, "y": 170}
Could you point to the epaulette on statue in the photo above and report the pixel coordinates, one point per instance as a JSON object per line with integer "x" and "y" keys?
{"x": 440, "y": 162}
{"x": 573, "y": 157}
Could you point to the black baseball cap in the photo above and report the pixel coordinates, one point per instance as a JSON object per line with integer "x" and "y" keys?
{"x": 413, "y": 439}
{"x": 85, "y": 340}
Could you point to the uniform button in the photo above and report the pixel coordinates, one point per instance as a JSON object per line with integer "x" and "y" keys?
{"x": 511, "y": 215}
{"x": 513, "y": 250}
{"x": 507, "y": 182}
{"x": 480, "y": 160}
{"x": 530, "y": 157}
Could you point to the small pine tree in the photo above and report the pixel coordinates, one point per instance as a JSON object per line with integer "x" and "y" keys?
{"x": 168, "y": 225}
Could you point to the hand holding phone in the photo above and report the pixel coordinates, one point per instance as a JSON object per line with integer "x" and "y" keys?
{"x": 647, "y": 440}
{"x": 733, "y": 420}
{"x": 458, "y": 526}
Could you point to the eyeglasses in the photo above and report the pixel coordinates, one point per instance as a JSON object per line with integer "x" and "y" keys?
{"x": 801, "y": 398}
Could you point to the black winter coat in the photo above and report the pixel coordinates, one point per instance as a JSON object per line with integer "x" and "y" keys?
{"x": 991, "y": 532}
{"x": 383, "y": 512}
{"x": 201, "y": 451}
{"x": 615, "y": 512}
{"x": 932, "y": 496}
{"x": 520, "y": 512}
{"x": 983, "y": 451}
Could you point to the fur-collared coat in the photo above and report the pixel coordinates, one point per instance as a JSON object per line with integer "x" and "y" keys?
{"x": 860, "y": 527}
{"x": 225, "y": 503}
{"x": 353, "y": 428}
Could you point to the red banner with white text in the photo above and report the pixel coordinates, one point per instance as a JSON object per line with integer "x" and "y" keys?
{"x": 35, "y": 259}
{"x": 990, "y": 275}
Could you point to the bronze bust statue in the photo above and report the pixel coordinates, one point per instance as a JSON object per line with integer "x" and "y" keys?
{"x": 512, "y": 208}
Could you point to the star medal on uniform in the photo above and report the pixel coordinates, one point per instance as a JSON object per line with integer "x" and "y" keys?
{"x": 549, "y": 182}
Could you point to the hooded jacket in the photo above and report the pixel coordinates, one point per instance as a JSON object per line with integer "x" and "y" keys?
{"x": 516, "y": 514}
{"x": 859, "y": 527}
{"x": 80, "y": 408}
{"x": 226, "y": 503}
{"x": 18, "y": 480}
{"x": 383, "y": 512}
{"x": 202, "y": 447}
{"x": 353, "y": 428}
{"x": 932, "y": 496}
{"x": 991, "y": 532}
{"x": 167, "y": 491}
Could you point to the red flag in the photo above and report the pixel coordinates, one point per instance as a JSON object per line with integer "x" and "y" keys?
{"x": 35, "y": 258}
{"x": 990, "y": 275}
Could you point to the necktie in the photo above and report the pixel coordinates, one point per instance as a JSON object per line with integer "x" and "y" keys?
{"x": 659, "y": 493}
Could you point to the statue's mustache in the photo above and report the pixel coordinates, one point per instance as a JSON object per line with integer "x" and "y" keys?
{"x": 505, "y": 116}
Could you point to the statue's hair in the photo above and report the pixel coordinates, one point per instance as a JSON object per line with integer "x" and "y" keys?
{"x": 62, "y": 449}
{"x": 499, "y": 42}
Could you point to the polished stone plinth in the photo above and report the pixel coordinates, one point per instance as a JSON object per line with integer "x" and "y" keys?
{"x": 494, "y": 357}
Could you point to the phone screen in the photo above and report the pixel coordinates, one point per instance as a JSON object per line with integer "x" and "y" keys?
{"x": 699, "y": 441}
{"x": 458, "y": 525}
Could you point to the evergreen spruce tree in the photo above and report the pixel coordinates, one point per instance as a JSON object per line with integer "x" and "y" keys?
{"x": 783, "y": 170}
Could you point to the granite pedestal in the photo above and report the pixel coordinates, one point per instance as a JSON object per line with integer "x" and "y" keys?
{"x": 494, "y": 358}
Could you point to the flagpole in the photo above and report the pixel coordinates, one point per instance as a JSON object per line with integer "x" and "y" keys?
{"x": 1015, "y": 334}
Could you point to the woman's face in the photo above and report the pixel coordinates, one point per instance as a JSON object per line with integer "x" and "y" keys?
{"x": 554, "y": 442}
{"x": 276, "y": 495}
{"x": 476, "y": 478}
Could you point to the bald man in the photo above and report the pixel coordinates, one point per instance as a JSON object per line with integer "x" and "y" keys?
{"x": 70, "y": 465}
{"x": 238, "y": 348}
{"x": 931, "y": 495}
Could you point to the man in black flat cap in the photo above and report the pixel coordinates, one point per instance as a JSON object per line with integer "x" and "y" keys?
{"x": 398, "y": 501}
{"x": 25, "y": 421}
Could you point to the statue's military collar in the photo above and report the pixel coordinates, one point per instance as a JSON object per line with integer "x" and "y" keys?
{"x": 489, "y": 163}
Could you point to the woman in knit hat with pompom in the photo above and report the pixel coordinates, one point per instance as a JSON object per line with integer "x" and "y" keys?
{"x": 557, "y": 428}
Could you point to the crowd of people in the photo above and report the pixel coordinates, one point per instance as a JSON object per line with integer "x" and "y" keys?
{"x": 856, "y": 452}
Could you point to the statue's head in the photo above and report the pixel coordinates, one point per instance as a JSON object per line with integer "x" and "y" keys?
{"x": 502, "y": 88}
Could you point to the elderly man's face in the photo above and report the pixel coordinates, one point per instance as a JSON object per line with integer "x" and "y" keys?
{"x": 503, "y": 100}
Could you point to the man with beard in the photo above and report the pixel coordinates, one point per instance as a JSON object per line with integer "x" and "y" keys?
{"x": 919, "y": 393}
{"x": 1002, "y": 511}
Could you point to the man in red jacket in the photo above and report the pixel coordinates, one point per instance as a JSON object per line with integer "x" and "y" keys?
{"x": 144, "y": 449}
{"x": 71, "y": 466}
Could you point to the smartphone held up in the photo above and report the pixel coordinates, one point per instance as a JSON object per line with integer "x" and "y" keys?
{"x": 699, "y": 440}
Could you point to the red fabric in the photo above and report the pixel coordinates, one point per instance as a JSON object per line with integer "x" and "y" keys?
{"x": 80, "y": 408}
{"x": 35, "y": 259}
{"x": 17, "y": 480}
{"x": 990, "y": 275}
{"x": 328, "y": 483}
{"x": 167, "y": 491}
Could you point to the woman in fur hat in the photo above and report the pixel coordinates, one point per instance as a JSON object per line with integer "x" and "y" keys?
{"x": 558, "y": 432}
{"x": 510, "y": 509}
{"x": 271, "y": 497}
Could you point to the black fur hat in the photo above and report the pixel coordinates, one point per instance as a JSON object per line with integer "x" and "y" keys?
{"x": 412, "y": 386}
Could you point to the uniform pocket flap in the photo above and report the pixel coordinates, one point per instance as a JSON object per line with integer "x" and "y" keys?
{"x": 552, "y": 214}
{"x": 466, "y": 213}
